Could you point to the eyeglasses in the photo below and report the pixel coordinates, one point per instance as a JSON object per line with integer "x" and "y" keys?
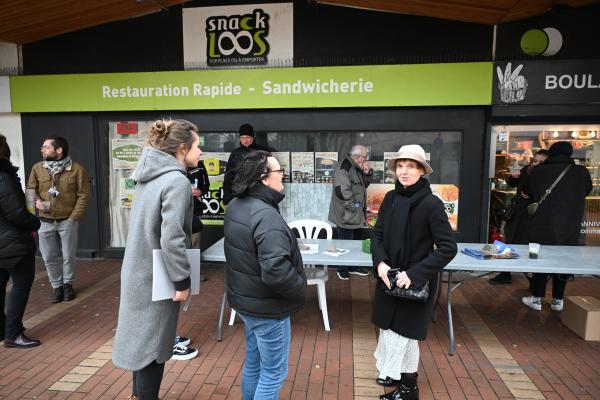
{"x": 47, "y": 146}
{"x": 280, "y": 171}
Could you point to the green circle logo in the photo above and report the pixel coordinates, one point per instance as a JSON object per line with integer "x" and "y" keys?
{"x": 534, "y": 42}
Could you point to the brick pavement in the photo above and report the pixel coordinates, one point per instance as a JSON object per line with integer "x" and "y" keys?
{"x": 504, "y": 350}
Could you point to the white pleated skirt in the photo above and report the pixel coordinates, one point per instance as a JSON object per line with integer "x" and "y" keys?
{"x": 396, "y": 354}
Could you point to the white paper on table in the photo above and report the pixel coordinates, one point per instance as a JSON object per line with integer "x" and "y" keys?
{"x": 336, "y": 254}
{"x": 162, "y": 286}
{"x": 313, "y": 248}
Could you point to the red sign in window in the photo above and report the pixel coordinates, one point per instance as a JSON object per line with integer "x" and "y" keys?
{"x": 127, "y": 128}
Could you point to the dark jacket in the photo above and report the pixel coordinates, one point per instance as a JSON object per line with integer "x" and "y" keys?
{"x": 235, "y": 158}
{"x": 558, "y": 219}
{"x": 348, "y": 206}
{"x": 264, "y": 271}
{"x": 198, "y": 176}
{"x": 516, "y": 230}
{"x": 428, "y": 225}
{"x": 16, "y": 223}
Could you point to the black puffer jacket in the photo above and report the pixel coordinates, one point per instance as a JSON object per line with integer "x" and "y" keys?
{"x": 16, "y": 223}
{"x": 264, "y": 270}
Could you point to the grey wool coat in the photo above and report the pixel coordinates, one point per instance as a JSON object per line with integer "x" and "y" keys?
{"x": 161, "y": 218}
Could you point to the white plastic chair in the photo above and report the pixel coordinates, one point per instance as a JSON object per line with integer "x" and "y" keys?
{"x": 310, "y": 229}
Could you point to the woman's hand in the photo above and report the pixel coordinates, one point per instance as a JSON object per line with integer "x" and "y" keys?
{"x": 403, "y": 280}
{"x": 183, "y": 295}
{"x": 382, "y": 270}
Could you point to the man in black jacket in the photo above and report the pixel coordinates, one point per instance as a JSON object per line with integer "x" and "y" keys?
{"x": 264, "y": 273}
{"x": 17, "y": 253}
{"x": 558, "y": 218}
{"x": 247, "y": 144}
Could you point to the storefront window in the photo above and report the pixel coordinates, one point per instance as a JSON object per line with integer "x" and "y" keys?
{"x": 516, "y": 144}
{"x": 309, "y": 159}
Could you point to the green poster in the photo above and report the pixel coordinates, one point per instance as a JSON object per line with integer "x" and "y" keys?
{"x": 352, "y": 86}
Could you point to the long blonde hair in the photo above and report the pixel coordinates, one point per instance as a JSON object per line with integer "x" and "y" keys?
{"x": 167, "y": 135}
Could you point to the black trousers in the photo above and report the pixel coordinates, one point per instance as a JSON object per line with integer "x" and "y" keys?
{"x": 559, "y": 284}
{"x": 146, "y": 381}
{"x": 22, "y": 274}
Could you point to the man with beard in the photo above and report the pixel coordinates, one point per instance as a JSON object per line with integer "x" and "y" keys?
{"x": 62, "y": 192}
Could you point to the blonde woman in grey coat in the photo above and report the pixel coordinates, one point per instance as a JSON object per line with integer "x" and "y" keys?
{"x": 161, "y": 218}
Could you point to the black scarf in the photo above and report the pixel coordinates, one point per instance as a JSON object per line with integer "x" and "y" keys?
{"x": 405, "y": 199}
{"x": 6, "y": 166}
{"x": 266, "y": 194}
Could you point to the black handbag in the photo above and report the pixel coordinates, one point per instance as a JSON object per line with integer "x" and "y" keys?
{"x": 413, "y": 293}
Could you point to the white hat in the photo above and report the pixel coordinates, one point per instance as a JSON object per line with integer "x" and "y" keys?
{"x": 412, "y": 152}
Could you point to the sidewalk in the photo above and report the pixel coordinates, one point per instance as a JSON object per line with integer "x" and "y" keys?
{"x": 504, "y": 350}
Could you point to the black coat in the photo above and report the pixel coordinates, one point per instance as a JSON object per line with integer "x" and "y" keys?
{"x": 428, "y": 225}
{"x": 16, "y": 223}
{"x": 558, "y": 219}
{"x": 264, "y": 270}
{"x": 516, "y": 230}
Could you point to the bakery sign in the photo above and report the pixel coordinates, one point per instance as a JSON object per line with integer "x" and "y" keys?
{"x": 546, "y": 82}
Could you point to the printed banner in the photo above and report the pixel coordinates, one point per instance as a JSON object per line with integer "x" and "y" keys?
{"x": 213, "y": 210}
{"x": 324, "y": 166}
{"x": 447, "y": 193}
{"x": 238, "y": 36}
{"x": 126, "y": 153}
{"x": 348, "y": 86}
{"x": 303, "y": 167}
{"x": 126, "y": 192}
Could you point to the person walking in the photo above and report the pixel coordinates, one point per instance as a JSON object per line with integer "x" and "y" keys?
{"x": 412, "y": 233}
{"x": 62, "y": 190}
{"x": 264, "y": 273}
{"x": 516, "y": 229}
{"x": 17, "y": 253}
{"x": 348, "y": 206}
{"x": 558, "y": 218}
{"x": 161, "y": 218}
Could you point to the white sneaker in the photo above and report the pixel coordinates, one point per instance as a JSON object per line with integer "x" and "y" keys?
{"x": 182, "y": 340}
{"x": 533, "y": 302}
{"x": 181, "y": 352}
{"x": 557, "y": 305}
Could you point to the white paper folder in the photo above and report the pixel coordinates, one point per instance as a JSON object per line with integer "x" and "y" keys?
{"x": 162, "y": 286}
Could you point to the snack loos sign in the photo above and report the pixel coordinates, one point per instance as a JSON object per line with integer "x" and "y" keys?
{"x": 238, "y": 36}
{"x": 547, "y": 82}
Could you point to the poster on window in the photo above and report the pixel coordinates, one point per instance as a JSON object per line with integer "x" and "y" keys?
{"x": 324, "y": 165}
{"x": 213, "y": 210}
{"x": 126, "y": 153}
{"x": 283, "y": 157}
{"x": 389, "y": 175}
{"x": 238, "y": 36}
{"x": 303, "y": 167}
{"x": 126, "y": 192}
{"x": 447, "y": 193}
{"x": 377, "y": 170}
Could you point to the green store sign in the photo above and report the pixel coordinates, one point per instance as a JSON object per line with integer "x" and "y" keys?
{"x": 456, "y": 84}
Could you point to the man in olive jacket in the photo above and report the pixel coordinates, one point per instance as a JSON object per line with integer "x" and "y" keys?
{"x": 348, "y": 207}
{"x": 62, "y": 192}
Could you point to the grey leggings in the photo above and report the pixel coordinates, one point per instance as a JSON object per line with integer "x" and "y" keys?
{"x": 146, "y": 381}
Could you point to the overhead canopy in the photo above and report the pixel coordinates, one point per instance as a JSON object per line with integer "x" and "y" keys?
{"x": 26, "y": 21}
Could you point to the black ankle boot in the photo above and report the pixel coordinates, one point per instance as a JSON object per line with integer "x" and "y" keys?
{"x": 407, "y": 390}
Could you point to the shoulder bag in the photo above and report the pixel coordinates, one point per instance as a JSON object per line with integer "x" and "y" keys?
{"x": 413, "y": 293}
{"x": 532, "y": 208}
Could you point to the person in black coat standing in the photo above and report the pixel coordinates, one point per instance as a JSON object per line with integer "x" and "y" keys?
{"x": 264, "y": 273}
{"x": 411, "y": 221}
{"x": 247, "y": 144}
{"x": 558, "y": 219}
{"x": 516, "y": 229}
{"x": 17, "y": 253}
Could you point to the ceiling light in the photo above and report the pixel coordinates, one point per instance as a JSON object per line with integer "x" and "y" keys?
{"x": 573, "y": 134}
{"x": 593, "y": 134}
{"x": 555, "y": 134}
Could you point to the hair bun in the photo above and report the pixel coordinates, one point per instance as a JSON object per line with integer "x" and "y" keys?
{"x": 160, "y": 129}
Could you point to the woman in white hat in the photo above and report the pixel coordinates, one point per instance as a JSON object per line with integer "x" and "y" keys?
{"x": 411, "y": 221}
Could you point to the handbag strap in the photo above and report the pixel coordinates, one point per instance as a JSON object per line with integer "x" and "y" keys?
{"x": 549, "y": 190}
